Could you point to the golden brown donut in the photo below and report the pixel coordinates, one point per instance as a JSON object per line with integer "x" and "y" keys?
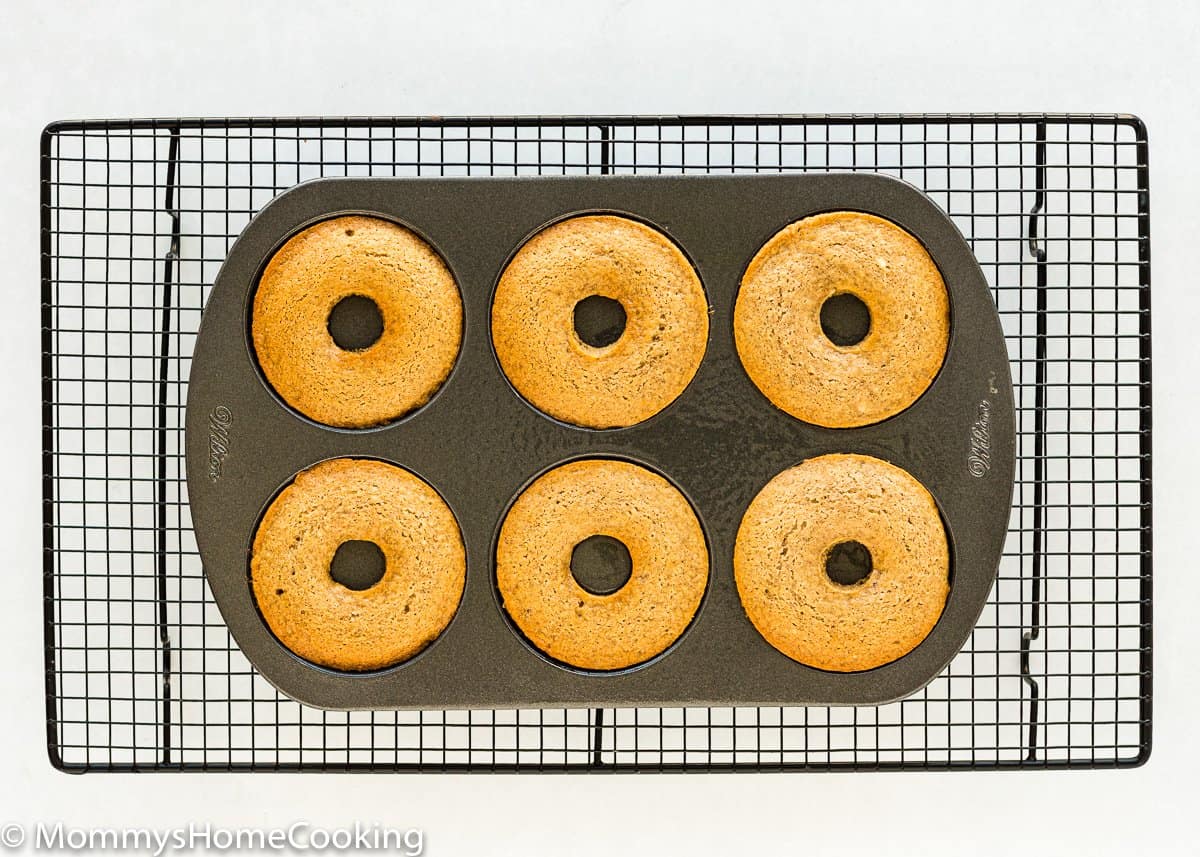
{"x": 779, "y": 562}
{"x": 639, "y": 508}
{"x": 777, "y": 323}
{"x": 417, "y": 299}
{"x": 635, "y": 377}
{"x": 327, "y": 623}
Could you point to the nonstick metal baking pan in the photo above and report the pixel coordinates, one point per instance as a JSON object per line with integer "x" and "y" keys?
{"x": 478, "y": 443}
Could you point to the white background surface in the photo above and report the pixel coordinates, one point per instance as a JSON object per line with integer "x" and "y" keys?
{"x": 60, "y": 61}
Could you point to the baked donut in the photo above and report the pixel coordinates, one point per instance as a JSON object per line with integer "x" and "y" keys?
{"x": 324, "y": 621}
{"x": 416, "y": 300}
{"x": 667, "y": 552}
{"x": 843, "y": 516}
{"x": 604, "y": 384}
{"x": 896, "y": 289}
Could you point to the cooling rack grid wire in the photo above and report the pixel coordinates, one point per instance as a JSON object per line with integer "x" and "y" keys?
{"x": 141, "y": 673}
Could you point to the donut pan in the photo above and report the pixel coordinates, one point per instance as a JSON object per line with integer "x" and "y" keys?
{"x": 478, "y": 443}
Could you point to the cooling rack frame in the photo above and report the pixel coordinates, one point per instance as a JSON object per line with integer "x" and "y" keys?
{"x": 115, "y": 733}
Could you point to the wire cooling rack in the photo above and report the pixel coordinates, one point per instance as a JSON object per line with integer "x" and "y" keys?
{"x": 141, "y": 673}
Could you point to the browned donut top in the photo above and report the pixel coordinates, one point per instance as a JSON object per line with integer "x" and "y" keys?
{"x": 417, "y": 299}
{"x": 635, "y": 377}
{"x": 777, "y": 319}
{"x": 354, "y": 499}
{"x": 779, "y": 562}
{"x": 600, "y": 497}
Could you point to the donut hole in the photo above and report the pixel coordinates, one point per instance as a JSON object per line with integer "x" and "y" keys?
{"x": 848, "y": 563}
{"x": 601, "y": 564}
{"x": 355, "y": 323}
{"x": 357, "y": 564}
{"x": 599, "y": 321}
{"x": 845, "y": 319}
